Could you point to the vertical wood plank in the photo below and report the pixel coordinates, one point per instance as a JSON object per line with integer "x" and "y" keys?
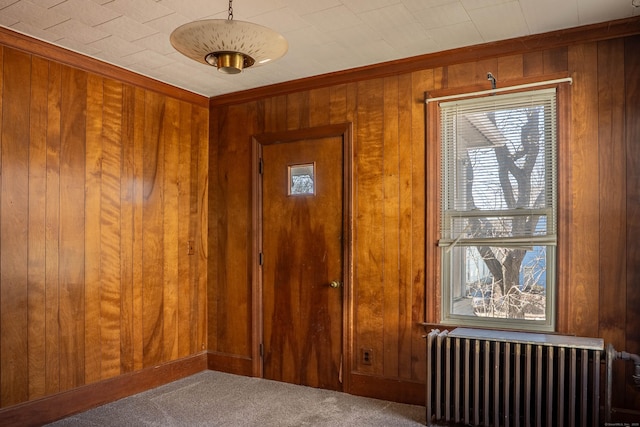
{"x": 298, "y": 110}
{"x": 369, "y": 227}
{"x": 406, "y": 102}
{"x": 170, "y": 221}
{"x": 52, "y": 234}
{"x": 632, "y": 132}
{"x": 72, "y": 214}
{"x": 214, "y": 230}
{"x": 200, "y": 137}
{"x": 319, "y": 113}
{"x": 152, "y": 230}
{"x": 233, "y": 328}
{"x": 1, "y": 184}
{"x": 533, "y": 63}
{"x": 14, "y": 205}
{"x": 471, "y": 73}
{"x": 37, "y": 227}
{"x": 187, "y": 186}
{"x": 391, "y": 219}
{"x": 555, "y": 60}
{"x": 425, "y": 81}
{"x": 127, "y": 199}
{"x": 110, "y": 228}
{"x": 92, "y": 224}
{"x": 510, "y": 67}
{"x": 612, "y": 190}
{"x": 338, "y": 103}
{"x": 584, "y": 300}
{"x": 139, "y": 115}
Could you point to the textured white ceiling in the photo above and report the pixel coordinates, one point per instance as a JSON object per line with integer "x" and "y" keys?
{"x": 323, "y": 35}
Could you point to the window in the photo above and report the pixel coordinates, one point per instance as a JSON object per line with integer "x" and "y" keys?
{"x": 498, "y": 220}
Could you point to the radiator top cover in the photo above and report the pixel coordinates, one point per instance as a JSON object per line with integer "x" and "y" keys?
{"x": 530, "y": 338}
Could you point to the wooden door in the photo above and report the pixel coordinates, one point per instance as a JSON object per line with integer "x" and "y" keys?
{"x": 302, "y": 235}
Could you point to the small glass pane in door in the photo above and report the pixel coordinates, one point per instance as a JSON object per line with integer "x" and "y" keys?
{"x": 302, "y": 179}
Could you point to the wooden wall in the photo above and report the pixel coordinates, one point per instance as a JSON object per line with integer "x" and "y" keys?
{"x": 395, "y": 266}
{"x": 103, "y": 187}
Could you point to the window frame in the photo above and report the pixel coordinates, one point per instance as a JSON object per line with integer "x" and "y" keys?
{"x": 549, "y": 242}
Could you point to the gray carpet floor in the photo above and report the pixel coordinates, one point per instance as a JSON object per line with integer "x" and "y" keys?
{"x": 212, "y": 398}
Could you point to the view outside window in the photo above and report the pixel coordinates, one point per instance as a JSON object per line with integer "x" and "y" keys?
{"x": 498, "y": 222}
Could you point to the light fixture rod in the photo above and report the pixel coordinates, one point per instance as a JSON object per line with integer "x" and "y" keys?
{"x": 230, "y": 17}
{"x": 501, "y": 89}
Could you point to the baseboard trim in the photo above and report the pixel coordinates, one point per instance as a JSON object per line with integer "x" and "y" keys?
{"x": 393, "y": 390}
{"x": 60, "y": 405}
{"x": 230, "y": 363}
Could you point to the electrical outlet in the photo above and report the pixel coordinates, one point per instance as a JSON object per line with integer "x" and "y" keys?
{"x": 367, "y": 356}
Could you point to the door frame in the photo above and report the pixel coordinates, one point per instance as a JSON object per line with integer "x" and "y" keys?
{"x": 345, "y": 131}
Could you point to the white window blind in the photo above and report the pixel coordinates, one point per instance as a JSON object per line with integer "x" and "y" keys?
{"x": 499, "y": 170}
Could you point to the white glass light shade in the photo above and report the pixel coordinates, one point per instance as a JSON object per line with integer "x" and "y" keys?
{"x": 204, "y": 41}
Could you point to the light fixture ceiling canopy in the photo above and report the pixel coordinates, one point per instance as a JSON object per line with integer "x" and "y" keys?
{"x": 227, "y": 44}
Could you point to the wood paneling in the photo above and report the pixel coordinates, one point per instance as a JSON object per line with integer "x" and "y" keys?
{"x": 396, "y": 198}
{"x": 101, "y": 194}
{"x": 632, "y": 220}
{"x": 584, "y": 295}
{"x": 612, "y": 227}
{"x": 14, "y": 229}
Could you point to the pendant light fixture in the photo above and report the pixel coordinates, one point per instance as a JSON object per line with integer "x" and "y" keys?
{"x": 228, "y": 45}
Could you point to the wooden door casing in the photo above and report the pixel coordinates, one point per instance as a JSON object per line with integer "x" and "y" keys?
{"x": 304, "y": 323}
{"x": 302, "y": 255}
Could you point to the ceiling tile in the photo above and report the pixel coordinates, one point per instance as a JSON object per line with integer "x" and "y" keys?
{"x": 333, "y": 19}
{"x": 78, "y": 47}
{"x": 539, "y": 20}
{"x": 158, "y": 42}
{"x": 149, "y": 59}
{"x": 357, "y": 36}
{"x": 394, "y": 16}
{"x": 443, "y": 16}
{"x": 166, "y": 24}
{"x": 115, "y": 47}
{"x": 303, "y": 7}
{"x": 281, "y": 20}
{"x": 126, "y": 28}
{"x": 9, "y": 21}
{"x": 32, "y": 14}
{"x": 479, "y": 4}
{"x": 47, "y": 3}
{"x": 46, "y": 35}
{"x": 415, "y": 5}
{"x": 499, "y": 22}
{"x": 139, "y": 10}
{"x": 85, "y": 11}
{"x": 410, "y": 40}
{"x": 78, "y": 31}
{"x": 452, "y": 36}
{"x": 359, "y": 6}
{"x": 590, "y": 11}
{"x": 195, "y": 9}
{"x": 246, "y": 9}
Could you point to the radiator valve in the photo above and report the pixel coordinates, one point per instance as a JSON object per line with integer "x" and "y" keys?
{"x": 636, "y": 361}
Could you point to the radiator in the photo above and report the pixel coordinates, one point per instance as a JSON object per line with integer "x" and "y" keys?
{"x": 496, "y": 378}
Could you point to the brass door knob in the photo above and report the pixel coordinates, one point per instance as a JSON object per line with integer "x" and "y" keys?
{"x": 335, "y": 284}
